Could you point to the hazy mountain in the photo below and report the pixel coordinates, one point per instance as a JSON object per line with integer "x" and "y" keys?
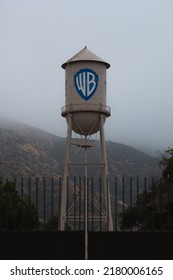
{"x": 28, "y": 151}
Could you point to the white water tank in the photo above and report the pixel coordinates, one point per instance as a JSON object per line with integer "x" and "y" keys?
{"x": 85, "y": 91}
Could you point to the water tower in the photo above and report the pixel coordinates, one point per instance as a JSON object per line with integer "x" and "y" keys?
{"x": 85, "y": 111}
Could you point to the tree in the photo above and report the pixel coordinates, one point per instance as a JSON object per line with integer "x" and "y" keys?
{"x": 16, "y": 213}
{"x": 154, "y": 208}
{"x": 167, "y": 163}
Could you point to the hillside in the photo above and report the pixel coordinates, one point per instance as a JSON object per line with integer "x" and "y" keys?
{"x": 28, "y": 151}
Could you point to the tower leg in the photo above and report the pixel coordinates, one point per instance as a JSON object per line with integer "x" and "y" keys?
{"x": 62, "y": 216}
{"x": 105, "y": 176}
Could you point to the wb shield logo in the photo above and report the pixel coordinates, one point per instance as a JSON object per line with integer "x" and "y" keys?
{"x": 86, "y": 82}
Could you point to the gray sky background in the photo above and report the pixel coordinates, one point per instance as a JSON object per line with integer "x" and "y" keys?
{"x": 134, "y": 36}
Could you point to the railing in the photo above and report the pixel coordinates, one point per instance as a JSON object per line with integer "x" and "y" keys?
{"x": 153, "y": 210}
{"x": 98, "y": 108}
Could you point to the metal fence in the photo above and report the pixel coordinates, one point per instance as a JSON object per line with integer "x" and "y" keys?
{"x": 130, "y": 210}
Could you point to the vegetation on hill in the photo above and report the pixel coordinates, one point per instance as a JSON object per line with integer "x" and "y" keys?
{"x": 27, "y": 152}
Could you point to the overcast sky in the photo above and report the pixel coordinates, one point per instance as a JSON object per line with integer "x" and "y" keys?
{"x": 134, "y": 36}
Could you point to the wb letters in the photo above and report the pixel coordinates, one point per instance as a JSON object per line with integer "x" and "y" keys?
{"x": 86, "y": 82}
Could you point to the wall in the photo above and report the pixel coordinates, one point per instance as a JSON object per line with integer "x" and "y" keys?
{"x": 55, "y": 245}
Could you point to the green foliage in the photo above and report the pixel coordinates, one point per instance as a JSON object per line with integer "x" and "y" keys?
{"x": 167, "y": 163}
{"x": 154, "y": 208}
{"x": 16, "y": 213}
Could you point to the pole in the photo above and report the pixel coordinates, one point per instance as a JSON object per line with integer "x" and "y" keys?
{"x": 105, "y": 177}
{"x": 85, "y": 203}
{"x": 62, "y": 219}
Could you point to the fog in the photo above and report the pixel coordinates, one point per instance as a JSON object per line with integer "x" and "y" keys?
{"x": 134, "y": 36}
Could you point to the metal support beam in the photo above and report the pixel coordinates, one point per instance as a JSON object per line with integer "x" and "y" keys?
{"x": 62, "y": 219}
{"x": 105, "y": 176}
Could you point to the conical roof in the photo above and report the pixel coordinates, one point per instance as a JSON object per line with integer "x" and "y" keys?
{"x": 85, "y": 55}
